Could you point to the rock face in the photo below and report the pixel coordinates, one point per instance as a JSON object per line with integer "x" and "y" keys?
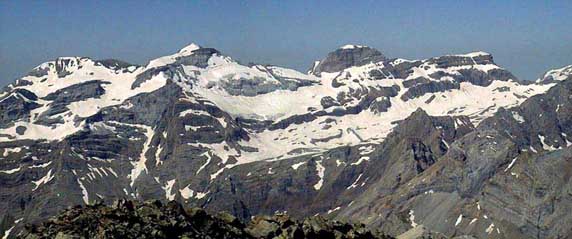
{"x": 451, "y": 145}
{"x": 153, "y": 219}
{"x": 347, "y": 56}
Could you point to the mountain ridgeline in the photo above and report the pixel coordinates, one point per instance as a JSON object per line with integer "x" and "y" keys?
{"x": 451, "y": 146}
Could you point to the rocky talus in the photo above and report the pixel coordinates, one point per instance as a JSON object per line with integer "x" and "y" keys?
{"x": 154, "y": 219}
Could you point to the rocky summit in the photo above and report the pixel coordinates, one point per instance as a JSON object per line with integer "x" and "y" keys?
{"x": 447, "y": 146}
{"x": 153, "y": 219}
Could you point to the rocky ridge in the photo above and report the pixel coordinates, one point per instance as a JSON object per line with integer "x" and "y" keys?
{"x": 154, "y": 219}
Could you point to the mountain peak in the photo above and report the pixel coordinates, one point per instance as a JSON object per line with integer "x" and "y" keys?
{"x": 475, "y": 54}
{"x": 559, "y": 74}
{"x": 347, "y": 56}
{"x": 189, "y": 48}
{"x": 351, "y": 46}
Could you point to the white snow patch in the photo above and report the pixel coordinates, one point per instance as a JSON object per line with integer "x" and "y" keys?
{"x": 517, "y": 117}
{"x": 490, "y": 228}
{"x": 412, "y": 219}
{"x": 85, "y": 195}
{"x": 48, "y": 177}
{"x": 333, "y": 210}
{"x": 10, "y": 171}
{"x": 320, "y": 170}
{"x": 206, "y": 162}
{"x": 186, "y": 192}
{"x": 459, "y": 219}
{"x": 351, "y": 46}
{"x": 168, "y": 190}
{"x": 7, "y": 232}
{"x": 360, "y": 160}
{"x": 8, "y": 151}
{"x": 544, "y": 145}
{"x": 354, "y": 184}
{"x": 297, "y": 165}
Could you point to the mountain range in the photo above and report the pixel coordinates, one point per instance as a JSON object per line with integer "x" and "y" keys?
{"x": 453, "y": 144}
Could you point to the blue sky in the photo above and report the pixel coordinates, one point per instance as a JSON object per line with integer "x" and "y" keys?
{"x": 526, "y": 37}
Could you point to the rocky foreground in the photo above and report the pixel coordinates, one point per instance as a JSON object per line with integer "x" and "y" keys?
{"x": 154, "y": 219}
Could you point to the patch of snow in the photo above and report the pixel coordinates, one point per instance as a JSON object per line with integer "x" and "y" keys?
{"x": 8, "y": 151}
{"x": 10, "y": 171}
{"x": 351, "y": 46}
{"x": 168, "y": 190}
{"x": 206, "y": 162}
{"x": 459, "y": 219}
{"x": 333, "y": 210}
{"x": 297, "y": 165}
{"x": 544, "y": 145}
{"x": 186, "y": 192}
{"x": 85, "y": 195}
{"x": 48, "y": 177}
{"x": 200, "y": 195}
{"x": 511, "y": 164}
{"x": 7, "y": 232}
{"x": 490, "y": 228}
{"x": 320, "y": 170}
{"x": 360, "y": 160}
{"x": 412, "y": 219}
{"x": 517, "y": 117}
{"x": 354, "y": 184}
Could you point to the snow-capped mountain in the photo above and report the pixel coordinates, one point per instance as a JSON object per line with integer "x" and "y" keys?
{"x": 358, "y": 133}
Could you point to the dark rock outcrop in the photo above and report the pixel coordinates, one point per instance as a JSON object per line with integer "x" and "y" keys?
{"x": 153, "y": 219}
{"x": 347, "y": 57}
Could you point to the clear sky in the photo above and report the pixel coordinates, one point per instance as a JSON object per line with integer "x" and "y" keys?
{"x": 526, "y": 37}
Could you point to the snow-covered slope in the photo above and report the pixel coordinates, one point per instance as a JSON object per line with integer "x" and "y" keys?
{"x": 184, "y": 126}
{"x": 559, "y": 74}
{"x": 354, "y": 105}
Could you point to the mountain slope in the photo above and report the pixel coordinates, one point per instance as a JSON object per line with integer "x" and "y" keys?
{"x": 201, "y": 128}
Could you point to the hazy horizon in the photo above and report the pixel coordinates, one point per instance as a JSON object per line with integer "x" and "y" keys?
{"x": 525, "y": 38}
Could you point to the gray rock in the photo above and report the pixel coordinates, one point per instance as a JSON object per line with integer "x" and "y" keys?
{"x": 345, "y": 58}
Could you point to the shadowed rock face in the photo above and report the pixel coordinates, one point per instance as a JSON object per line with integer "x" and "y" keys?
{"x": 153, "y": 219}
{"x": 345, "y": 58}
